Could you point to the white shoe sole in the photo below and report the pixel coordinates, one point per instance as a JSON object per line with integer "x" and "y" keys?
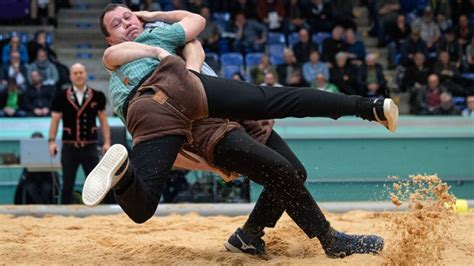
{"x": 102, "y": 178}
{"x": 390, "y": 111}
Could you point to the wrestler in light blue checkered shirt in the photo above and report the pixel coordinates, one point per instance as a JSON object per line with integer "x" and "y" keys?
{"x": 126, "y": 77}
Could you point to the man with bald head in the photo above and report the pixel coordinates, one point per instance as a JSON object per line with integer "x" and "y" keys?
{"x": 78, "y": 107}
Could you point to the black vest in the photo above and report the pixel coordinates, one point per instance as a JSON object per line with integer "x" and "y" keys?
{"x": 79, "y": 121}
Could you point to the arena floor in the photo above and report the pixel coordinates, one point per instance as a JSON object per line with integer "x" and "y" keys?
{"x": 193, "y": 239}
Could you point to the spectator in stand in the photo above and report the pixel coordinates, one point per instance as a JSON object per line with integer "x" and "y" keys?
{"x": 416, "y": 75}
{"x": 210, "y": 36}
{"x": 449, "y": 74}
{"x": 46, "y": 68}
{"x": 371, "y": 78}
{"x": 440, "y": 7}
{"x": 446, "y": 106}
{"x": 14, "y": 46}
{"x": 387, "y": 12}
{"x": 304, "y": 46}
{"x": 469, "y": 111}
{"x": 257, "y": 73}
{"x": 297, "y": 80}
{"x": 38, "y": 6}
{"x": 463, "y": 30}
{"x": 195, "y": 6}
{"x": 286, "y": 69}
{"x": 450, "y": 45}
{"x": 16, "y": 70}
{"x": 12, "y": 101}
{"x": 444, "y": 23}
{"x": 250, "y": 35}
{"x": 246, "y": 7}
{"x": 355, "y": 48}
{"x": 429, "y": 30}
{"x": 313, "y": 67}
{"x": 410, "y": 47}
{"x": 321, "y": 83}
{"x": 39, "y": 96}
{"x": 271, "y": 13}
{"x": 334, "y": 45}
{"x": 38, "y": 42}
{"x": 343, "y": 76}
{"x": 470, "y": 55}
{"x": 296, "y": 17}
{"x": 397, "y": 33}
{"x": 319, "y": 16}
{"x": 270, "y": 80}
{"x": 342, "y": 12}
{"x": 428, "y": 98}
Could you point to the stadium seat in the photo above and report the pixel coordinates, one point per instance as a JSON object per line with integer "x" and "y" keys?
{"x": 275, "y": 38}
{"x": 319, "y": 37}
{"x": 293, "y": 38}
{"x": 229, "y": 70}
{"x": 235, "y": 59}
{"x": 276, "y": 52}
{"x": 253, "y": 59}
{"x": 459, "y": 102}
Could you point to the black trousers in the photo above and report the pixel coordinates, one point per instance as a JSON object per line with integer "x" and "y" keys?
{"x": 71, "y": 158}
{"x": 238, "y": 100}
{"x": 139, "y": 192}
{"x": 282, "y": 175}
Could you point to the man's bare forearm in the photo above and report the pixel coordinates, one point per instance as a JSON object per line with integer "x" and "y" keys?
{"x": 126, "y": 52}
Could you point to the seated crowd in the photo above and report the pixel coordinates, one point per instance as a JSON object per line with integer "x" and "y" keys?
{"x": 30, "y": 75}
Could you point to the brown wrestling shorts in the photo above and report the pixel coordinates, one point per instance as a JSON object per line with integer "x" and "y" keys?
{"x": 167, "y": 103}
{"x": 206, "y": 134}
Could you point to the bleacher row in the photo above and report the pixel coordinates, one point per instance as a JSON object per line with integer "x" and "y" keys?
{"x": 26, "y": 37}
{"x": 232, "y": 62}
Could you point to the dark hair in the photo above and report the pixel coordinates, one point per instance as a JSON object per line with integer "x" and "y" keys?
{"x": 239, "y": 74}
{"x": 37, "y": 135}
{"x": 107, "y": 9}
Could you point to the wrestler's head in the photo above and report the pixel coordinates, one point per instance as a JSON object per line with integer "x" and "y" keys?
{"x": 119, "y": 24}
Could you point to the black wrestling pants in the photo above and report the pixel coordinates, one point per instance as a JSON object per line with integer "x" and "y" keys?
{"x": 238, "y": 100}
{"x": 237, "y": 151}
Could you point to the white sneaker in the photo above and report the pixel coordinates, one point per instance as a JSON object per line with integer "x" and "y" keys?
{"x": 105, "y": 175}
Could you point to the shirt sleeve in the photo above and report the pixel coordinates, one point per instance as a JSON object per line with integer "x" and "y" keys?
{"x": 100, "y": 101}
{"x": 172, "y": 36}
{"x": 58, "y": 103}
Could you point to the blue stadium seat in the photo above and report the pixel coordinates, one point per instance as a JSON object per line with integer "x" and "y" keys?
{"x": 229, "y": 70}
{"x": 222, "y": 20}
{"x": 49, "y": 38}
{"x": 275, "y": 38}
{"x": 469, "y": 76}
{"x": 293, "y": 38}
{"x": 319, "y": 37}
{"x": 276, "y": 52}
{"x": 459, "y": 102}
{"x": 235, "y": 59}
{"x": 253, "y": 59}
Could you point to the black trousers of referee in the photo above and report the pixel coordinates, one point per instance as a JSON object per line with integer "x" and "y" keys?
{"x": 140, "y": 190}
{"x": 71, "y": 157}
